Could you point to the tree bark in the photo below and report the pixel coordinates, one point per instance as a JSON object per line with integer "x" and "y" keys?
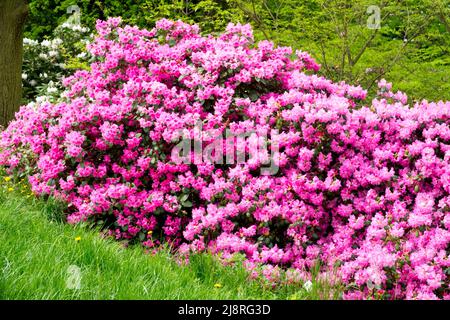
{"x": 13, "y": 14}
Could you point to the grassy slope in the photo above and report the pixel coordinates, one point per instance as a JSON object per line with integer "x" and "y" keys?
{"x": 36, "y": 252}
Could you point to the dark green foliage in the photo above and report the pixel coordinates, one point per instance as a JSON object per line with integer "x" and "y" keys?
{"x": 211, "y": 15}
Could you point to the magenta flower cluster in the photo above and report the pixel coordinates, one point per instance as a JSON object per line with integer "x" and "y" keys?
{"x": 362, "y": 187}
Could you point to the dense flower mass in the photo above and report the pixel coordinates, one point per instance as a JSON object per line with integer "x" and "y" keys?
{"x": 362, "y": 188}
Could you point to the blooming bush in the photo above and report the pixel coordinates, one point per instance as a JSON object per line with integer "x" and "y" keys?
{"x": 361, "y": 188}
{"x": 47, "y": 62}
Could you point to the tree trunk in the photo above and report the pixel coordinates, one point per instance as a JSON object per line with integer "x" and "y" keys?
{"x": 13, "y": 14}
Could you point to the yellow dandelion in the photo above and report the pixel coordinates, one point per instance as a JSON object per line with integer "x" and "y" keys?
{"x": 10, "y": 189}
{"x": 150, "y": 232}
{"x": 7, "y": 179}
{"x": 218, "y": 285}
{"x": 78, "y": 239}
{"x": 293, "y": 297}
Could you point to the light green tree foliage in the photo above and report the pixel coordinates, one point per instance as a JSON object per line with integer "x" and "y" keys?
{"x": 413, "y": 34}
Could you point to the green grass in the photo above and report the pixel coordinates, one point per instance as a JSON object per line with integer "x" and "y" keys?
{"x": 37, "y": 251}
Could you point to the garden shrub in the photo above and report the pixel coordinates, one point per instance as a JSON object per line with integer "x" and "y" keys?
{"x": 362, "y": 187}
{"x": 47, "y": 62}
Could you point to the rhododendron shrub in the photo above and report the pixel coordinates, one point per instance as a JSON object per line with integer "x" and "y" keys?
{"x": 47, "y": 62}
{"x": 360, "y": 187}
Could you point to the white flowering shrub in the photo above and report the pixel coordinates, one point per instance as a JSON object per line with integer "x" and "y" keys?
{"x": 47, "y": 62}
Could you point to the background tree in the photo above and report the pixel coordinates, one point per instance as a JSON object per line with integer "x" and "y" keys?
{"x": 413, "y": 39}
{"x": 13, "y": 14}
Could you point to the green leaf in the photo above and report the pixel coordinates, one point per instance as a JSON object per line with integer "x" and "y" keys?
{"x": 187, "y": 204}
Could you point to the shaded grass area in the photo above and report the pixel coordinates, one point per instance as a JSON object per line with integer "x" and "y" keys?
{"x": 41, "y": 258}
